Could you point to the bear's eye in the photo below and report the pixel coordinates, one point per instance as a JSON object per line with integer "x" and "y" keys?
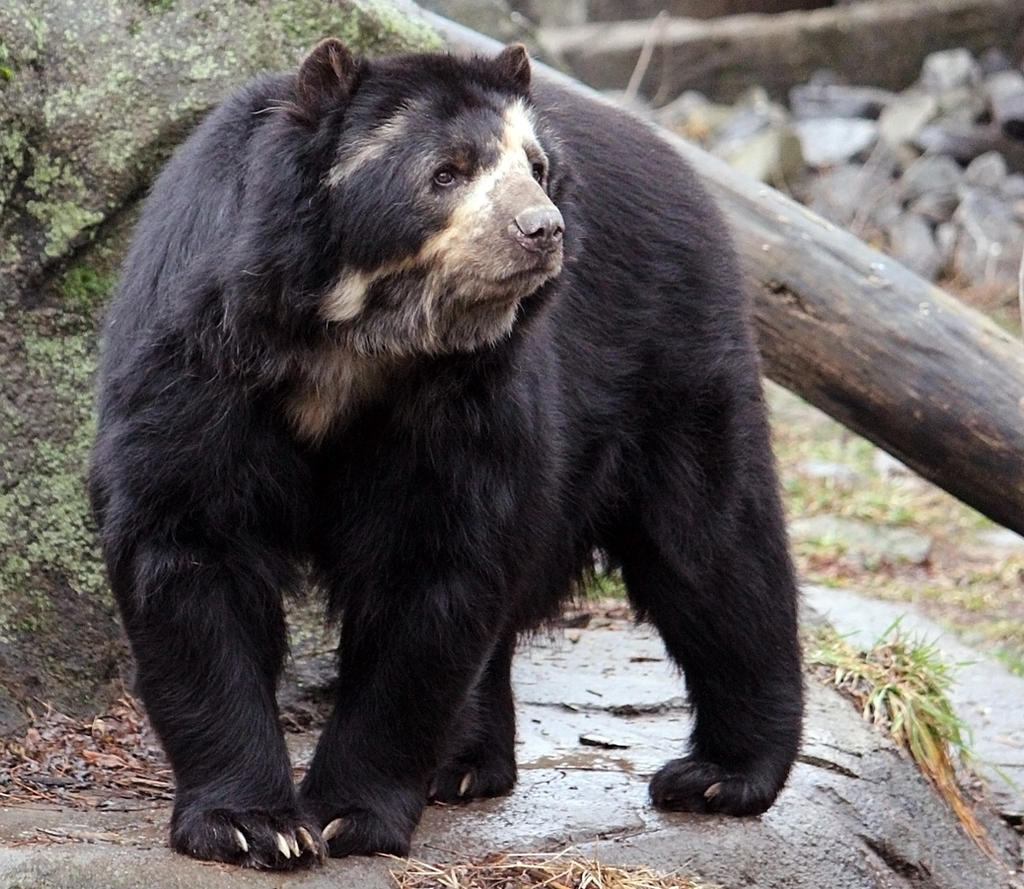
{"x": 445, "y": 177}
{"x": 539, "y": 171}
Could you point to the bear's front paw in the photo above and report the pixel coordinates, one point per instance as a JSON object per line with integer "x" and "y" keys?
{"x": 275, "y": 840}
{"x": 696, "y": 785}
{"x": 461, "y": 781}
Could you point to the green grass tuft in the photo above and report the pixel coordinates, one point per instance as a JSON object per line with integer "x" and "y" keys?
{"x": 902, "y": 686}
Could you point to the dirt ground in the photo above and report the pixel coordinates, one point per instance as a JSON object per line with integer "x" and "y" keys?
{"x": 970, "y": 580}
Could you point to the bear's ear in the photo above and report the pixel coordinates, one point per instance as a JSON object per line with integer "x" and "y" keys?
{"x": 514, "y": 64}
{"x": 325, "y": 77}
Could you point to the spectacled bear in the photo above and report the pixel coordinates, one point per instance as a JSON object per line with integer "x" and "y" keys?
{"x": 428, "y": 333}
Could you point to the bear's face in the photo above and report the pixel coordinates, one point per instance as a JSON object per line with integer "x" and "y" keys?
{"x": 437, "y": 202}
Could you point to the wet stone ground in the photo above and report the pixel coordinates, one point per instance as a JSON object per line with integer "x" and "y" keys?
{"x": 599, "y": 710}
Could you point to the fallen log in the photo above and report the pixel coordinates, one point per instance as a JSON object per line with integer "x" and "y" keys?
{"x": 935, "y": 383}
{"x": 725, "y": 56}
{"x": 894, "y": 358}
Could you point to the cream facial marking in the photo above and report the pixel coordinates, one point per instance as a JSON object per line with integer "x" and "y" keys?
{"x": 520, "y": 129}
{"x": 466, "y": 241}
{"x": 347, "y": 298}
{"x": 371, "y": 146}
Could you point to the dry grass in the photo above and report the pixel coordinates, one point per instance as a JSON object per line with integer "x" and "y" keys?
{"x": 522, "y": 871}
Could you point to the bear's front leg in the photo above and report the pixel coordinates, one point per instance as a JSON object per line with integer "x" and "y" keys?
{"x": 408, "y": 664}
{"x": 209, "y": 642}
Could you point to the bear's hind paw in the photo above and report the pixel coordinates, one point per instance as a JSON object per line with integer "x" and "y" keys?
{"x": 460, "y": 783}
{"x": 359, "y": 832}
{"x": 696, "y": 785}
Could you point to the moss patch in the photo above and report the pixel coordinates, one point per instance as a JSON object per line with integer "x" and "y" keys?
{"x": 373, "y": 28}
{"x": 84, "y": 288}
{"x": 6, "y": 71}
{"x": 58, "y": 631}
{"x": 43, "y": 507}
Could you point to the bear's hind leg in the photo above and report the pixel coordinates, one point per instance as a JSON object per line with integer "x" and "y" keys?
{"x": 482, "y": 763}
{"x": 408, "y": 664}
{"x": 718, "y": 585}
{"x": 742, "y": 668}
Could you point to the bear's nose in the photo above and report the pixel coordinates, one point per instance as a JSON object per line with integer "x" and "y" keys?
{"x": 540, "y": 228}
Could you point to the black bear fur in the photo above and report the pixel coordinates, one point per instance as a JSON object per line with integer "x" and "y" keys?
{"x": 443, "y": 481}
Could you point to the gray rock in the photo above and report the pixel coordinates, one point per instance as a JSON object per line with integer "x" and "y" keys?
{"x": 946, "y": 236}
{"x": 772, "y": 154}
{"x": 495, "y": 18}
{"x": 1006, "y": 541}
{"x": 816, "y": 99}
{"x": 987, "y": 170}
{"x": 959, "y": 140}
{"x": 872, "y": 543}
{"x": 902, "y": 120}
{"x": 882, "y": 212}
{"x": 828, "y": 141}
{"x": 965, "y": 105}
{"x": 993, "y": 60}
{"x": 931, "y": 174}
{"x": 991, "y": 239}
{"x": 838, "y": 473}
{"x": 759, "y": 140}
{"x": 912, "y": 242}
{"x": 1005, "y": 91}
{"x": 886, "y": 465}
{"x": 935, "y": 207}
{"x": 856, "y": 196}
{"x": 949, "y": 70}
{"x": 837, "y": 194}
{"x": 694, "y": 117}
{"x": 1013, "y": 187}
{"x": 677, "y": 113}
{"x": 753, "y": 113}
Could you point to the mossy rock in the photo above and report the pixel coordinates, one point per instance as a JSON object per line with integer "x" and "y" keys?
{"x": 94, "y": 95}
{"x": 58, "y": 635}
{"x": 97, "y": 92}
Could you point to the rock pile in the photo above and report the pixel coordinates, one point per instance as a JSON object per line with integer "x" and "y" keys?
{"x": 934, "y": 174}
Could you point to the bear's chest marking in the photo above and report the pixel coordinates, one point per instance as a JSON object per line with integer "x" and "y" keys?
{"x": 329, "y": 386}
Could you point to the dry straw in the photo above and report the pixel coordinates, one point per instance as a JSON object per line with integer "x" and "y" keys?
{"x": 532, "y": 871}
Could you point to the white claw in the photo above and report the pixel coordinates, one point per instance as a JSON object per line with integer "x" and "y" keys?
{"x": 242, "y": 842}
{"x": 466, "y": 781}
{"x": 306, "y": 838}
{"x": 333, "y": 829}
{"x": 294, "y": 846}
{"x": 282, "y": 846}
